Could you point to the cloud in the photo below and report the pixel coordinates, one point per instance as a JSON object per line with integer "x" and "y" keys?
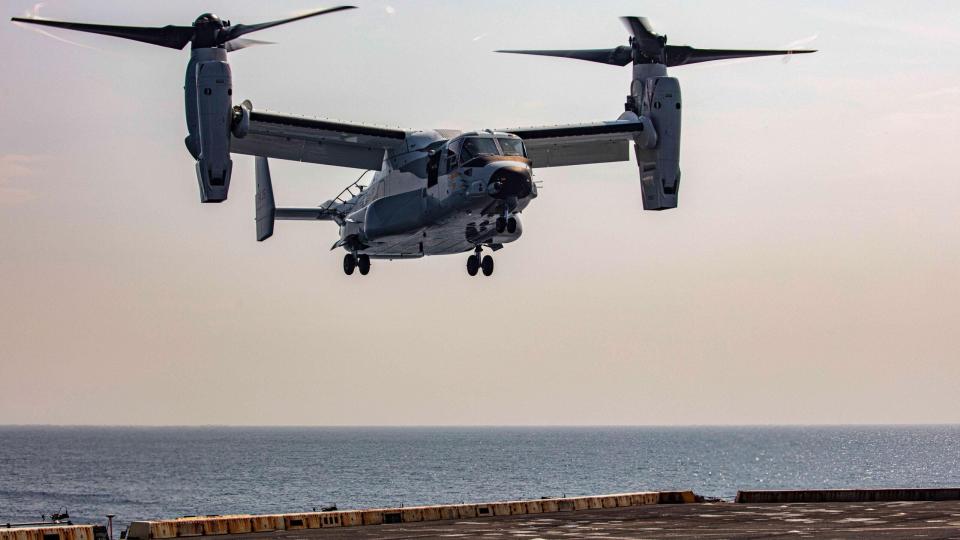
{"x": 13, "y": 169}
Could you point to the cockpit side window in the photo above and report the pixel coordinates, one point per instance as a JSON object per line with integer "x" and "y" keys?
{"x": 512, "y": 147}
{"x": 478, "y": 146}
{"x": 453, "y": 151}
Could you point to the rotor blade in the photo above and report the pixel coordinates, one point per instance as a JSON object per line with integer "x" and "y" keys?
{"x": 242, "y": 29}
{"x": 678, "y": 55}
{"x": 619, "y": 56}
{"x": 649, "y": 43}
{"x": 638, "y": 27}
{"x": 174, "y": 37}
{"x": 243, "y": 43}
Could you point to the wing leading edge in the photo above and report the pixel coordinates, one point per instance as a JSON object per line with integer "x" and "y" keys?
{"x": 324, "y": 142}
{"x": 296, "y": 138}
{"x": 580, "y": 144}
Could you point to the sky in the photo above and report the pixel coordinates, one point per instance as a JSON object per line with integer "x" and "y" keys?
{"x": 809, "y": 275}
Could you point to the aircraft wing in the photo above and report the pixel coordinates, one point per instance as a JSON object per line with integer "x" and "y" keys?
{"x": 296, "y": 138}
{"x": 579, "y": 144}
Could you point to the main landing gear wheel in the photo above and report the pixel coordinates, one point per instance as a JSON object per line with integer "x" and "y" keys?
{"x": 487, "y": 265}
{"x": 363, "y": 264}
{"x": 506, "y": 224}
{"x": 349, "y": 263}
{"x": 475, "y": 263}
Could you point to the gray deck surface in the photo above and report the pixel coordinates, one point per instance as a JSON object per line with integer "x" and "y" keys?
{"x": 709, "y": 520}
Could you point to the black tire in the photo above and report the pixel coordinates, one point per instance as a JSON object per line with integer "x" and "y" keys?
{"x": 512, "y": 225}
{"x": 487, "y": 265}
{"x": 349, "y": 263}
{"x": 501, "y": 225}
{"x": 363, "y": 264}
{"x": 473, "y": 265}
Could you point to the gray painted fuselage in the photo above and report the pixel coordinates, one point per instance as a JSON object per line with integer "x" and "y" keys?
{"x": 407, "y": 212}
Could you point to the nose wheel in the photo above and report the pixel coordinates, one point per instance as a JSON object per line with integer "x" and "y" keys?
{"x": 353, "y": 262}
{"x": 476, "y": 263}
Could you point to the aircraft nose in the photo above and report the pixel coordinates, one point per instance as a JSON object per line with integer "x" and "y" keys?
{"x": 510, "y": 182}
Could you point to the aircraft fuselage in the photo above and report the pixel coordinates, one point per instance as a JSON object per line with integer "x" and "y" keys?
{"x": 439, "y": 196}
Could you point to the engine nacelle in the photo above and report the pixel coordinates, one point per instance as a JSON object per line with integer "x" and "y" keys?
{"x": 660, "y": 165}
{"x": 241, "y": 119}
{"x": 208, "y": 92}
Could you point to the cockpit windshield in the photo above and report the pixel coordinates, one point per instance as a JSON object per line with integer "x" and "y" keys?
{"x": 512, "y": 147}
{"x": 478, "y": 146}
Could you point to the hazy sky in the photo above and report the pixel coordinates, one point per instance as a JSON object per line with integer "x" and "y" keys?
{"x": 810, "y": 274}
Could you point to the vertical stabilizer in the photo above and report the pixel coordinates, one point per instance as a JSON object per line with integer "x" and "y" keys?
{"x": 266, "y": 206}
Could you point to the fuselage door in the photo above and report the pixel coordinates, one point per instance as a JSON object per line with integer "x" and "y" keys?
{"x": 433, "y": 167}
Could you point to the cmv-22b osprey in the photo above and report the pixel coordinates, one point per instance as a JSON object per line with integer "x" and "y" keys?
{"x": 435, "y": 192}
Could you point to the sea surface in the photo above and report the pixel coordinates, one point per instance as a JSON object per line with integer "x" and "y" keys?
{"x": 143, "y": 473}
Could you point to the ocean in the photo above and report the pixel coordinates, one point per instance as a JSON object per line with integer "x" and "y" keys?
{"x": 143, "y": 473}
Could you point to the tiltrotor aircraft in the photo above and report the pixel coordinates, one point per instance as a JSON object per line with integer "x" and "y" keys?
{"x": 435, "y": 192}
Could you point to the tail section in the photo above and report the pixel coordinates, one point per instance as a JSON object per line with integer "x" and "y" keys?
{"x": 268, "y": 213}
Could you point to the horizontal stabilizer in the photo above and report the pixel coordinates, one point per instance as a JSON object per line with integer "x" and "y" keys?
{"x": 308, "y": 214}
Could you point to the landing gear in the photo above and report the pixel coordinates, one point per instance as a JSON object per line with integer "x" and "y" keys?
{"x": 473, "y": 265}
{"x": 487, "y": 265}
{"x": 476, "y": 263}
{"x": 359, "y": 262}
{"x": 506, "y": 223}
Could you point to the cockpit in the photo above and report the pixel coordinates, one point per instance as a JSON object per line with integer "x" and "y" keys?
{"x": 473, "y": 149}
{"x": 464, "y": 149}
